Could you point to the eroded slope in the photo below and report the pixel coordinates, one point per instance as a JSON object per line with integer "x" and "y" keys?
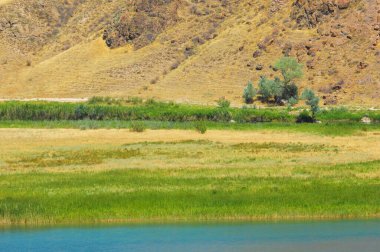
{"x": 192, "y": 51}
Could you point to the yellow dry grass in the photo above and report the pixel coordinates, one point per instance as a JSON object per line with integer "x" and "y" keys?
{"x": 4, "y": 1}
{"x": 182, "y": 149}
{"x": 217, "y": 68}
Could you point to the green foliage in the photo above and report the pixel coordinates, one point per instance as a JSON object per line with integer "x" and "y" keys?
{"x": 278, "y": 90}
{"x": 290, "y": 69}
{"x": 151, "y": 101}
{"x": 290, "y": 91}
{"x": 223, "y": 103}
{"x": 201, "y": 127}
{"x": 292, "y": 101}
{"x": 105, "y": 100}
{"x": 265, "y": 89}
{"x": 157, "y": 111}
{"x": 138, "y": 127}
{"x": 114, "y": 116}
{"x": 304, "y": 117}
{"x": 244, "y": 121}
{"x": 270, "y": 89}
{"x": 249, "y": 93}
{"x": 312, "y": 100}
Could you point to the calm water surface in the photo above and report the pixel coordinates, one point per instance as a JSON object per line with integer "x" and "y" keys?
{"x": 345, "y": 236}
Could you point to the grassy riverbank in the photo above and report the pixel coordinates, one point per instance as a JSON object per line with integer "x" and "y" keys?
{"x": 52, "y": 176}
{"x": 331, "y": 129}
{"x": 188, "y": 195}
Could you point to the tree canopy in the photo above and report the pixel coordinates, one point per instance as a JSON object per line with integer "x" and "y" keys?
{"x": 290, "y": 69}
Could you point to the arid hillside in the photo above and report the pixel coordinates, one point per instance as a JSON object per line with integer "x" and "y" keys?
{"x": 187, "y": 50}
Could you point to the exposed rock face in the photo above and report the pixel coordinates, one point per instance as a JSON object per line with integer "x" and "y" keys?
{"x": 308, "y": 13}
{"x": 34, "y": 23}
{"x": 343, "y": 4}
{"x": 141, "y": 23}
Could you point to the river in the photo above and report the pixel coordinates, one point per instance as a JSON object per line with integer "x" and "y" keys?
{"x": 326, "y": 236}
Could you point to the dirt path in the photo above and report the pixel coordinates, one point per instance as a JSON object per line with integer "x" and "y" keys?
{"x": 49, "y": 99}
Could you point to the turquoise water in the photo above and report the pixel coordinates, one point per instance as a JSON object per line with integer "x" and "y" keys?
{"x": 337, "y": 236}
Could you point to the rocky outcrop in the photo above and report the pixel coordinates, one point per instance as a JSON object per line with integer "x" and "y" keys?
{"x": 141, "y": 23}
{"x": 308, "y": 13}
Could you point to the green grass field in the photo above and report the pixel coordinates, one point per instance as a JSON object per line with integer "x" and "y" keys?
{"x": 190, "y": 195}
{"x": 71, "y": 176}
{"x": 337, "y": 128}
{"x": 129, "y": 161}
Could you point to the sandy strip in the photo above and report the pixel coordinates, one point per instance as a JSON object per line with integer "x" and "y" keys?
{"x": 48, "y": 99}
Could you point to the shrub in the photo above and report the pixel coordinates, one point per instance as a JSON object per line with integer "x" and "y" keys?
{"x": 270, "y": 89}
{"x": 104, "y": 100}
{"x": 151, "y": 101}
{"x": 290, "y": 91}
{"x": 80, "y": 112}
{"x": 265, "y": 89}
{"x": 134, "y": 100}
{"x": 304, "y": 117}
{"x": 224, "y": 103}
{"x": 201, "y": 127}
{"x": 249, "y": 93}
{"x": 95, "y": 100}
{"x": 277, "y": 89}
{"x": 292, "y": 101}
{"x": 138, "y": 127}
{"x": 312, "y": 100}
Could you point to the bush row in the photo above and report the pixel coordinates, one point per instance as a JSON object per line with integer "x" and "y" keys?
{"x": 39, "y": 111}
{"x": 155, "y": 111}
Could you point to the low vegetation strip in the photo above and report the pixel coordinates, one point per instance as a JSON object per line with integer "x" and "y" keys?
{"x": 152, "y": 111}
{"x": 328, "y": 128}
{"x": 53, "y": 176}
{"x": 187, "y": 195}
{"x": 159, "y": 111}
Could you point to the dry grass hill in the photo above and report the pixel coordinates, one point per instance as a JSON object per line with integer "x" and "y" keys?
{"x": 187, "y": 50}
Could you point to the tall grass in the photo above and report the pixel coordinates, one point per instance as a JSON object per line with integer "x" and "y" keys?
{"x": 147, "y": 111}
{"x": 344, "y": 114}
{"x": 185, "y": 194}
{"x": 100, "y": 109}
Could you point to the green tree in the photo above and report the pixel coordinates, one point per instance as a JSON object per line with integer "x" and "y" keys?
{"x": 249, "y": 93}
{"x": 312, "y": 100}
{"x": 277, "y": 89}
{"x": 265, "y": 89}
{"x": 270, "y": 89}
{"x": 285, "y": 88}
{"x": 290, "y": 69}
{"x": 290, "y": 91}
